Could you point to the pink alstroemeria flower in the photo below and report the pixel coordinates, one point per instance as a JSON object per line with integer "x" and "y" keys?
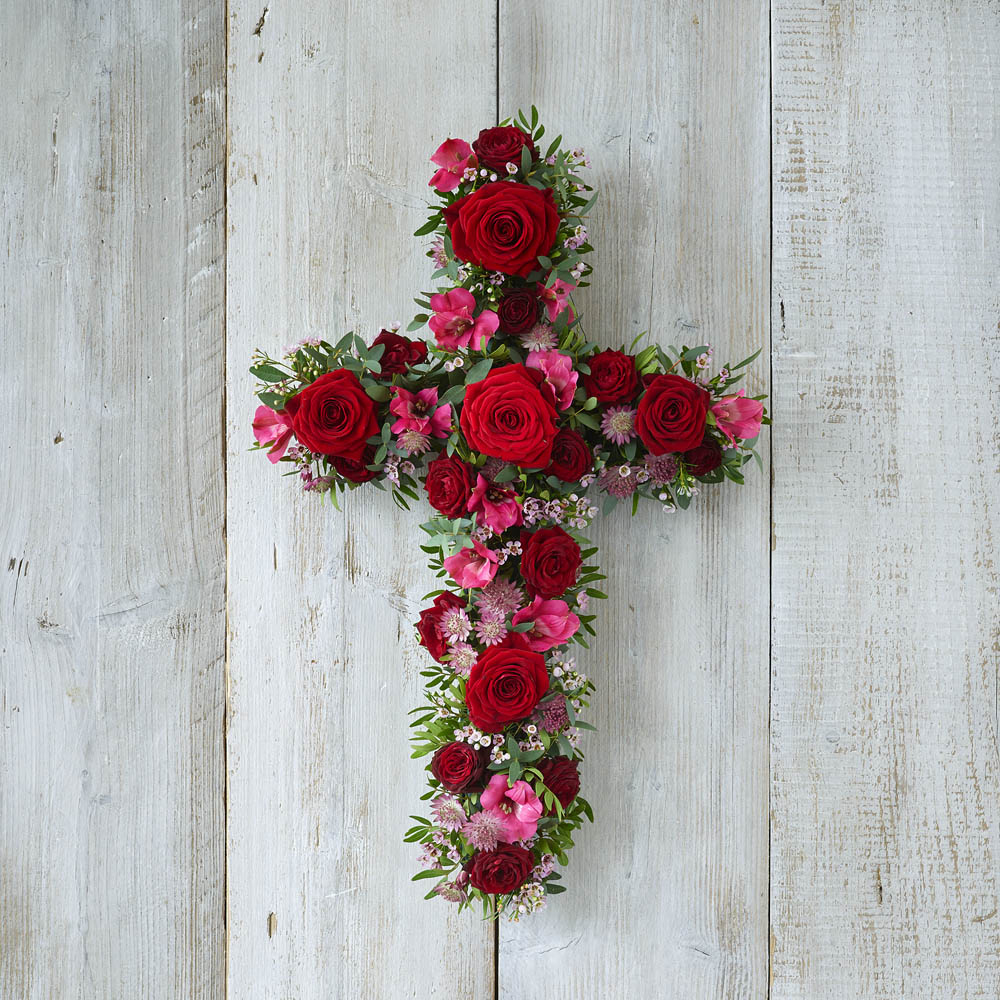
{"x": 517, "y": 807}
{"x": 553, "y": 624}
{"x": 273, "y": 425}
{"x": 453, "y": 156}
{"x": 556, "y": 298}
{"x": 738, "y": 417}
{"x": 453, "y": 324}
{"x": 418, "y": 411}
{"x": 558, "y": 371}
{"x": 473, "y": 568}
{"x": 494, "y": 505}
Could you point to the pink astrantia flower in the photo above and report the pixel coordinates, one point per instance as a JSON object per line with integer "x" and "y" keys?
{"x": 556, "y": 298}
{"x": 738, "y": 417}
{"x": 462, "y": 658}
{"x": 618, "y": 424}
{"x": 501, "y": 598}
{"x": 413, "y": 442}
{"x": 491, "y": 631}
{"x": 472, "y": 568}
{"x": 485, "y": 829}
{"x": 552, "y": 623}
{"x": 558, "y": 371}
{"x": 518, "y": 807}
{"x": 494, "y": 505}
{"x": 272, "y": 425}
{"x": 452, "y": 156}
{"x": 418, "y": 411}
{"x": 448, "y": 811}
{"x": 453, "y": 324}
{"x": 541, "y": 337}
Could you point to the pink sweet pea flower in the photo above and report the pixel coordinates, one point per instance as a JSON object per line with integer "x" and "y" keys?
{"x": 517, "y": 807}
{"x": 453, "y": 324}
{"x": 273, "y": 425}
{"x": 738, "y": 417}
{"x": 558, "y": 371}
{"x": 553, "y": 624}
{"x": 556, "y": 298}
{"x": 473, "y": 568}
{"x": 418, "y": 411}
{"x": 494, "y": 506}
{"x": 453, "y": 156}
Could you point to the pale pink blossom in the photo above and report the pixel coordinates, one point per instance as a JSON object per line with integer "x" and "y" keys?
{"x": 494, "y": 505}
{"x": 518, "y": 807}
{"x": 418, "y": 411}
{"x": 452, "y": 156}
{"x": 738, "y": 417}
{"x": 552, "y": 623}
{"x": 558, "y": 371}
{"x": 556, "y": 298}
{"x": 472, "y": 568}
{"x": 453, "y": 324}
{"x": 272, "y": 425}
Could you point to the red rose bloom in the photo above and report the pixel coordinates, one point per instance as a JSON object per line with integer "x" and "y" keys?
{"x": 550, "y": 561}
{"x": 449, "y": 485}
{"x": 571, "y": 457}
{"x": 613, "y": 377}
{"x": 399, "y": 354}
{"x": 704, "y": 459}
{"x": 356, "y": 470}
{"x": 518, "y": 311}
{"x": 672, "y": 415}
{"x": 562, "y": 778}
{"x": 503, "y": 226}
{"x": 506, "y": 683}
{"x": 429, "y": 625}
{"x": 501, "y": 871}
{"x": 508, "y": 416}
{"x": 459, "y": 767}
{"x": 496, "y": 147}
{"x": 335, "y": 416}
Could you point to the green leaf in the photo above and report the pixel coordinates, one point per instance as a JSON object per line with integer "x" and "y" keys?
{"x": 746, "y": 361}
{"x": 479, "y": 371}
{"x": 268, "y": 373}
{"x": 429, "y": 873}
{"x": 429, "y": 226}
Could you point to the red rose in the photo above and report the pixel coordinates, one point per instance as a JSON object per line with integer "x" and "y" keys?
{"x": 449, "y": 485}
{"x": 429, "y": 625}
{"x": 571, "y": 457}
{"x": 501, "y": 871}
{"x": 356, "y": 470}
{"x": 506, "y": 683}
{"x": 550, "y": 561}
{"x": 518, "y": 311}
{"x": 399, "y": 354}
{"x": 613, "y": 377}
{"x": 459, "y": 767}
{"x": 704, "y": 459}
{"x": 335, "y": 416}
{"x": 503, "y": 226}
{"x": 508, "y": 416}
{"x": 496, "y": 147}
{"x": 562, "y": 778}
{"x": 672, "y": 415}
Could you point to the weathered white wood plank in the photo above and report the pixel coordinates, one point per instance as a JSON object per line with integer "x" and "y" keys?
{"x": 886, "y": 799}
{"x": 668, "y": 891}
{"x": 112, "y": 615}
{"x": 334, "y": 112}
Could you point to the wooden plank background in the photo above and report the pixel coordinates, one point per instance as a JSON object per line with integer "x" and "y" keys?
{"x": 796, "y": 773}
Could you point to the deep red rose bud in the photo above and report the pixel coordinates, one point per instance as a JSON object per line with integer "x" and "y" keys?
{"x": 704, "y": 459}
{"x": 518, "y": 311}
{"x": 496, "y": 147}
{"x": 571, "y": 457}
{"x": 449, "y": 485}
{"x": 459, "y": 767}
{"x": 399, "y": 354}
{"x": 672, "y": 415}
{"x": 501, "y": 871}
{"x": 550, "y": 561}
{"x": 613, "y": 377}
{"x": 354, "y": 470}
{"x": 505, "y": 685}
{"x": 335, "y": 416}
{"x": 429, "y": 625}
{"x": 562, "y": 778}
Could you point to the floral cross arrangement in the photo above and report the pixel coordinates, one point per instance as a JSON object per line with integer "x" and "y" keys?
{"x": 515, "y": 425}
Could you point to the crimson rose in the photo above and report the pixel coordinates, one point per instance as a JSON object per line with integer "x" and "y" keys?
{"x": 672, "y": 415}
{"x": 496, "y": 147}
{"x": 503, "y": 226}
{"x": 508, "y": 416}
{"x": 459, "y": 767}
{"x": 571, "y": 457}
{"x": 613, "y": 377}
{"x": 334, "y": 415}
{"x": 500, "y": 871}
{"x": 518, "y": 311}
{"x": 506, "y": 683}
{"x": 550, "y": 560}
{"x": 449, "y": 485}
{"x": 562, "y": 778}
{"x": 356, "y": 470}
{"x": 429, "y": 625}
{"x": 399, "y": 354}
{"x": 704, "y": 459}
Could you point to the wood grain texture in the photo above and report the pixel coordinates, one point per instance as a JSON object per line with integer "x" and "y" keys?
{"x": 112, "y": 616}
{"x": 886, "y": 812}
{"x": 667, "y": 893}
{"x": 334, "y": 111}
